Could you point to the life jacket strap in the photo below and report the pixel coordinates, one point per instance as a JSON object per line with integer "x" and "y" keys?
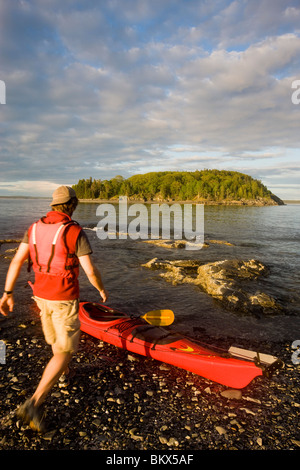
{"x": 53, "y": 245}
{"x": 34, "y": 244}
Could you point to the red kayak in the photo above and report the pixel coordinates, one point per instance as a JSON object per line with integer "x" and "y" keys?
{"x": 235, "y": 368}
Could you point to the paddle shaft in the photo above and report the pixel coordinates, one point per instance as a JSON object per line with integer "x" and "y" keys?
{"x": 157, "y": 317}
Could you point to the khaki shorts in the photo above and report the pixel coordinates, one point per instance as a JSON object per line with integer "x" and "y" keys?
{"x": 60, "y": 323}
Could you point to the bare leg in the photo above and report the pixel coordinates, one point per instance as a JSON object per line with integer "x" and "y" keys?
{"x": 54, "y": 369}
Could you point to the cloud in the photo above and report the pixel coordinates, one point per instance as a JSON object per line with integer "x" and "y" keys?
{"x": 24, "y": 188}
{"x": 96, "y": 89}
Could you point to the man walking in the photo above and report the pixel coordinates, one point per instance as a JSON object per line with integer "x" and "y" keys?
{"x": 57, "y": 246}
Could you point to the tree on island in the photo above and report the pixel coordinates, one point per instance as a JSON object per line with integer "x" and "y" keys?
{"x": 204, "y": 185}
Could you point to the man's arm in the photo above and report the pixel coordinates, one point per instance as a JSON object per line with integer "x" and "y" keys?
{"x": 93, "y": 275}
{"x": 7, "y": 301}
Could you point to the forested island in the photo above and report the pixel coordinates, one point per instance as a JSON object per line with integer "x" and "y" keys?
{"x": 205, "y": 186}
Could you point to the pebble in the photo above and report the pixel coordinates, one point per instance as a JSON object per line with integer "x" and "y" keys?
{"x": 297, "y": 443}
{"x": 254, "y": 400}
{"x": 164, "y": 367}
{"x": 172, "y": 441}
{"x": 132, "y": 358}
{"x": 250, "y": 412}
{"x": 49, "y": 435}
{"x": 141, "y": 404}
{"x": 135, "y": 436}
{"x": 221, "y": 430}
{"x": 232, "y": 394}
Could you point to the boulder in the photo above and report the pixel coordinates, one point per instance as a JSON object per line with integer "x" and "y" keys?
{"x": 231, "y": 282}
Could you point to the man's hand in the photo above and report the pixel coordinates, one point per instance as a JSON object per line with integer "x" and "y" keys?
{"x": 104, "y": 295}
{"x": 6, "y": 304}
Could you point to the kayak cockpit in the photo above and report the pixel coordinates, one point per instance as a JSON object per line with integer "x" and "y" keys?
{"x": 100, "y": 313}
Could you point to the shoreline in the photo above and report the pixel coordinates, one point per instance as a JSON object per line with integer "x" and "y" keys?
{"x": 205, "y": 202}
{"x": 242, "y": 203}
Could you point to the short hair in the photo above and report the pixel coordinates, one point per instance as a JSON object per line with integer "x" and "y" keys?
{"x": 67, "y": 207}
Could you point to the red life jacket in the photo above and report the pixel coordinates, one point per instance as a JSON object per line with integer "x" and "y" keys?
{"x": 52, "y": 247}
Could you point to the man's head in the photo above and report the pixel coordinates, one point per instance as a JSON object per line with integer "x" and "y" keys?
{"x": 64, "y": 199}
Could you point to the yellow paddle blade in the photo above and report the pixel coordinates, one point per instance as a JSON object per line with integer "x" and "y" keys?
{"x": 162, "y": 317}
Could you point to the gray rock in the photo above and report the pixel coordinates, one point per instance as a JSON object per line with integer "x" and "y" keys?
{"x": 228, "y": 281}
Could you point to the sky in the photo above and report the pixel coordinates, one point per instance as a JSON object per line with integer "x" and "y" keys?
{"x": 122, "y": 87}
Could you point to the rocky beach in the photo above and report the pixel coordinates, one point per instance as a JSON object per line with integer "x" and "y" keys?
{"x": 120, "y": 401}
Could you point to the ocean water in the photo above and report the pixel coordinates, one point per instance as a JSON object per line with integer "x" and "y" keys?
{"x": 269, "y": 234}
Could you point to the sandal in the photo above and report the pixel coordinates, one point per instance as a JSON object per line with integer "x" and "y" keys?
{"x": 32, "y": 415}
